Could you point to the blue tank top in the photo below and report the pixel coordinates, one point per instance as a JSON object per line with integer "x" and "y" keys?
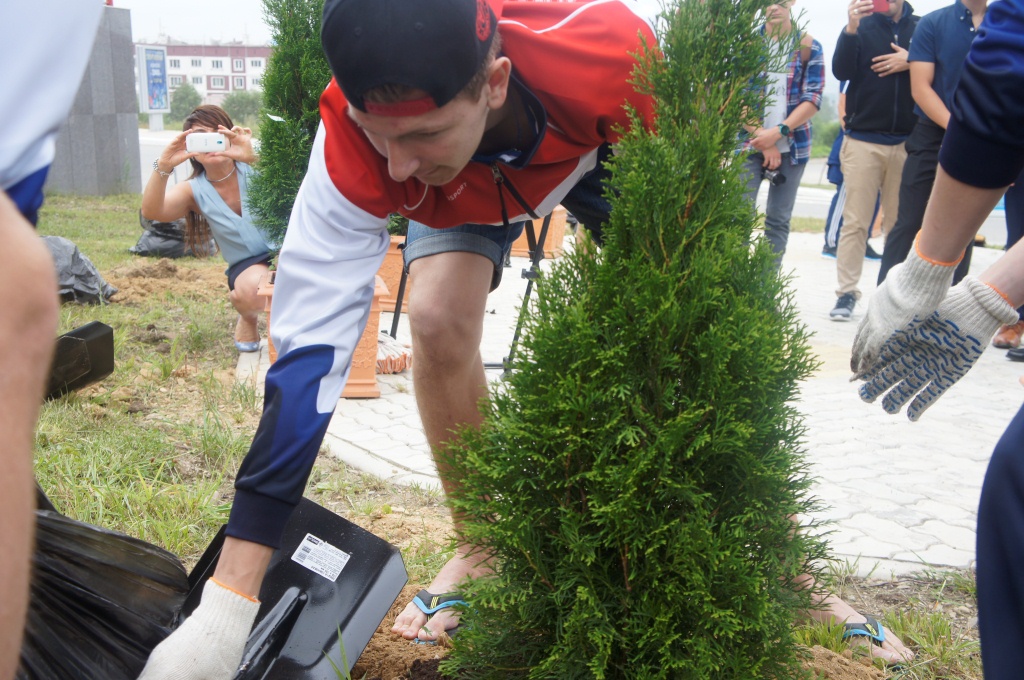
{"x": 236, "y": 235}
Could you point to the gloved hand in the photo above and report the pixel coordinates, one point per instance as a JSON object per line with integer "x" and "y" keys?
{"x": 927, "y": 357}
{"x": 209, "y": 645}
{"x": 912, "y": 290}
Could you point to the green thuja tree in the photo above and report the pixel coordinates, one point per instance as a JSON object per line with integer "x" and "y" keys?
{"x": 636, "y": 476}
{"x": 296, "y": 75}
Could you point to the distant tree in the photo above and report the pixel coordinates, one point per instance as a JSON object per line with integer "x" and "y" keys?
{"x": 183, "y": 100}
{"x": 296, "y": 75}
{"x": 243, "y": 105}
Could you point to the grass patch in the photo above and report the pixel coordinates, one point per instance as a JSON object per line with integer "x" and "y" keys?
{"x": 152, "y": 450}
{"x": 803, "y": 225}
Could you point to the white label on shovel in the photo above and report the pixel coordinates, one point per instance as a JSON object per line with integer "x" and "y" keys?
{"x": 320, "y": 557}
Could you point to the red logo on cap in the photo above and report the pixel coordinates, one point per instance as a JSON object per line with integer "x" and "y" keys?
{"x": 483, "y": 20}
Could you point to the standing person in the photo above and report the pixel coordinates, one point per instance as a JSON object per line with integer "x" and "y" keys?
{"x": 834, "y": 220}
{"x": 39, "y": 86}
{"x": 459, "y": 141}
{"x": 214, "y": 203}
{"x": 872, "y": 54}
{"x": 936, "y": 57}
{"x": 919, "y": 336}
{"x": 780, "y": 140}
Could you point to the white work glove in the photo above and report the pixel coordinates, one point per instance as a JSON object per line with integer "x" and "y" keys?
{"x": 912, "y": 290}
{"x": 209, "y": 645}
{"x": 928, "y": 356}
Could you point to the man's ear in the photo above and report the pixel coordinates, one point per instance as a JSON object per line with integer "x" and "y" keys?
{"x": 496, "y": 88}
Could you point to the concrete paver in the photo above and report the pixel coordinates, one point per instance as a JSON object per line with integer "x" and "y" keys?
{"x": 900, "y": 496}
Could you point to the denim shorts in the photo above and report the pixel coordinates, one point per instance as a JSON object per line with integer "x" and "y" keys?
{"x": 483, "y": 239}
{"x": 586, "y": 201}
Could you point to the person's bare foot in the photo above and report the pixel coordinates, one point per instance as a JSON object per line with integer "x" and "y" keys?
{"x": 835, "y": 611}
{"x": 413, "y": 623}
{"x": 246, "y": 330}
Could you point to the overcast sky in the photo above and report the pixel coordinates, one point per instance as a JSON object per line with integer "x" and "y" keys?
{"x": 224, "y": 20}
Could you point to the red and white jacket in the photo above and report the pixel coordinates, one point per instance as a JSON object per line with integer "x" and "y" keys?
{"x": 577, "y": 60}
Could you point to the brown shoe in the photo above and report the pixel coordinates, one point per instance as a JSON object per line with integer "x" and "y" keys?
{"x": 1008, "y": 337}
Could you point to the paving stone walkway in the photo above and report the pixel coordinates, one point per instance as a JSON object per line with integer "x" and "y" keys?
{"x": 901, "y": 496}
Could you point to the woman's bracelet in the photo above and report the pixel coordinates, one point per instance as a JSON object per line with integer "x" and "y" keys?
{"x": 157, "y": 170}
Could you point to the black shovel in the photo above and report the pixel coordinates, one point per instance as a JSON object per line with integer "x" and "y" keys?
{"x": 326, "y": 590}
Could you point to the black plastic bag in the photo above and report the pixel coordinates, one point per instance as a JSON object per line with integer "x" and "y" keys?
{"x": 78, "y": 280}
{"x": 165, "y": 239}
{"x": 100, "y": 602}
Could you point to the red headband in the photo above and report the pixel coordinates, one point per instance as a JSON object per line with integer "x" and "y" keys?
{"x": 413, "y": 107}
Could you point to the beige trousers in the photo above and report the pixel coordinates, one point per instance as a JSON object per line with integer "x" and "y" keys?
{"x": 867, "y": 169}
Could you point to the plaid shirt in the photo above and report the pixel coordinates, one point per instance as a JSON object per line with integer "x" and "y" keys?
{"x": 804, "y": 83}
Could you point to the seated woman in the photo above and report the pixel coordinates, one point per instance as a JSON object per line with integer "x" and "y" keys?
{"x": 213, "y": 202}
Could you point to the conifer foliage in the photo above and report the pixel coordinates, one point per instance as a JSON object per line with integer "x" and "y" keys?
{"x": 296, "y": 75}
{"x": 636, "y": 474}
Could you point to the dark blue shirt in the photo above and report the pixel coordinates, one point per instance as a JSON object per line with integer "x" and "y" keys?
{"x": 983, "y": 146}
{"x": 943, "y": 37}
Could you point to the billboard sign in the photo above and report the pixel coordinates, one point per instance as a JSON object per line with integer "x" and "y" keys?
{"x": 151, "y": 64}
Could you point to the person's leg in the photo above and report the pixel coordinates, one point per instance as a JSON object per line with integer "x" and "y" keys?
{"x": 779, "y": 209}
{"x": 894, "y": 158}
{"x": 28, "y": 326}
{"x": 1000, "y": 551}
{"x": 863, "y": 172}
{"x": 451, "y": 273}
{"x": 245, "y": 301}
{"x": 834, "y": 223}
{"x": 916, "y": 181}
{"x": 753, "y": 166}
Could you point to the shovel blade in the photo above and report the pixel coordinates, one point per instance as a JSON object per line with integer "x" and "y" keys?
{"x": 326, "y": 591}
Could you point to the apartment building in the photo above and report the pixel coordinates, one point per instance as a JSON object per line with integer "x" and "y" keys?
{"x": 217, "y": 69}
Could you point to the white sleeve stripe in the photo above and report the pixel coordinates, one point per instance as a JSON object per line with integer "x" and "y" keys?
{"x": 326, "y": 271}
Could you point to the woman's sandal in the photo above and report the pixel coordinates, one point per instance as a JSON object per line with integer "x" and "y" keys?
{"x": 253, "y": 346}
{"x": 428, "y": 603}
{"x": 246, "y": 345}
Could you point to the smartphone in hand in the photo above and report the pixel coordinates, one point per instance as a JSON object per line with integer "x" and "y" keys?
{"x": 205, "y": 142}
{"x": 879, "y": 5}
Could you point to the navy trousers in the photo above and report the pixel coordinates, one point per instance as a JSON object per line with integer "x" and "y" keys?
{"x": 1001, "y": 557}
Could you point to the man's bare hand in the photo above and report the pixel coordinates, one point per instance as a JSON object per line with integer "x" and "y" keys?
{"x": 888, "y": 64}
{"x": 772, "y": 158}
{"x": 764, "y": 139}
{"x": 857, "y": 10}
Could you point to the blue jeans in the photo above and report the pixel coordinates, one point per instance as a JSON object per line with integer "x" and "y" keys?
{"x": 781, "y": 198}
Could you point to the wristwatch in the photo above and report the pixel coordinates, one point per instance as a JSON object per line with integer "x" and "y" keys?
{"x": 784, "y": 129}
{"x": 157, "y": 170}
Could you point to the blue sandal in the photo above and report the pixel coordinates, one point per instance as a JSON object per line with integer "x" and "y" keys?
{"x": 870, "y": 629}
{"x": 873, "y": 631}
{"x": 253, "y": 346}
{"x": 428, "y": 603}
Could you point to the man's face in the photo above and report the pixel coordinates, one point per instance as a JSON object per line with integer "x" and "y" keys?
{"x": 432, "y": 147}
{"x": 895, "y": 8}
{"x": 778, "y": 12}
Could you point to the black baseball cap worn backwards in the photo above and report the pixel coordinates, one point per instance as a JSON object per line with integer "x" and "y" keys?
{"x": 432, "y": 45}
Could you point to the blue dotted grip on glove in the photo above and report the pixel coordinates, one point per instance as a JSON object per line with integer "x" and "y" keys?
{"x": 923, "y": 360}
